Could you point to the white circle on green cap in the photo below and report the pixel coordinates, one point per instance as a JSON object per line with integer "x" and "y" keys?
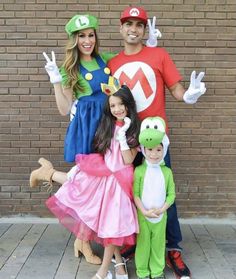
{"x": 82, "y": 21}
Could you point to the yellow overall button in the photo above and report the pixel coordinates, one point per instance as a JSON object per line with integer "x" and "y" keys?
{"x": 88, "y": 76}
{"x": 107, "y": 71}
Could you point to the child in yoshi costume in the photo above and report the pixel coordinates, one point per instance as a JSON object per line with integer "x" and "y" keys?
{"x": 154, "y": 192}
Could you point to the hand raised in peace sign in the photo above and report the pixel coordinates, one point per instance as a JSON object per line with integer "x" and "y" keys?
{"x": 153, "y": 34}
{"x": 196, "y": 88}
{"x": 52, "y": 69}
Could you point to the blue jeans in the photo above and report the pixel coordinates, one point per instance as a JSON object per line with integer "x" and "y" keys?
{"x": 173, "y": 232}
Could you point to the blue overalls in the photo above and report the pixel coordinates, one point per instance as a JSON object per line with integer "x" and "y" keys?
{"x": 82, "y": 128}
{"x": 173, "y": 232}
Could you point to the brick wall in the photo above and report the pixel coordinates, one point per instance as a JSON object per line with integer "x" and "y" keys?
{"x": 199, "y": 35}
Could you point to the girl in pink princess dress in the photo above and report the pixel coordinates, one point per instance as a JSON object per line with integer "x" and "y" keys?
{"x": 96, "y": 201}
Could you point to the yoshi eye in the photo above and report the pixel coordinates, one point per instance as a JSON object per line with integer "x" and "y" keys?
{"x": 147, "y": 126}
{"x": 155, "y": 127}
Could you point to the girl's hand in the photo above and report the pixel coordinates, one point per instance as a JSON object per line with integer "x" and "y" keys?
{"x": 121, "y": 135}
{"x": 52, "y": 69}
{"x": 126, "y": 126}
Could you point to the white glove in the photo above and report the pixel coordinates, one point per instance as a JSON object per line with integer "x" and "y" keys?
{"x": 153, "y": 33}
{"x": 73, "y": 110}
{"x": 72, "y": 172}
{"x": 196, "y": 88}
{"x": 52, "y": 69}
{"x": 121, "y": 135}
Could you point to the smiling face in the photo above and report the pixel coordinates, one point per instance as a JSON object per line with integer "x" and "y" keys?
{"x": 154, "y": 155}
{"x": 153, "y": 140}
{"x": 132, "y": 31}
{"x": 86, "y": 43}
{"x": 117, "y": 108}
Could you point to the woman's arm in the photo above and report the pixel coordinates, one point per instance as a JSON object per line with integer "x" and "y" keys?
{"x": 64, "y": 98}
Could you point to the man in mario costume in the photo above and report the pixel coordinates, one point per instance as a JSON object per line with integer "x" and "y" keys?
{"x": 147, "y": 71}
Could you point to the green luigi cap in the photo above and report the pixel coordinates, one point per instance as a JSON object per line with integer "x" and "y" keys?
{"x": 81, "y": 22}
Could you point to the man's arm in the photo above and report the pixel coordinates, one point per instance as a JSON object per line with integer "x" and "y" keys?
{"x": 195, "y": 90}
{"x": 177, "y": 91}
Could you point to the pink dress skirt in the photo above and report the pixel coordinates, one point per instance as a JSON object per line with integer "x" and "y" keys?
{"x": 96, "y": 202}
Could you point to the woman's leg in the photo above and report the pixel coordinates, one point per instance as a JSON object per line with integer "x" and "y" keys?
{"x": 59, "y": 177}
{"x": 84, "y": 248}
{"x": 46, "y": 173}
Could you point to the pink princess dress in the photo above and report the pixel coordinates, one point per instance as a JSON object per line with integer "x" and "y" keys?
{"x": 96, "y": 202}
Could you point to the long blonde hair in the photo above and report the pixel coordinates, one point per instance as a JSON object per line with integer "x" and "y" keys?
{"x": 72, "y": 61}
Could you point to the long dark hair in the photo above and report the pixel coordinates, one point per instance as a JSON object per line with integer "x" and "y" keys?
{"x": 104, "y": 134}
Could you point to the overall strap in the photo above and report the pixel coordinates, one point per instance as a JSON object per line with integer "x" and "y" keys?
{"x": 99, "y": 61}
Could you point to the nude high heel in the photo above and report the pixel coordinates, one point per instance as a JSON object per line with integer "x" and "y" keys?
{"x": 83, "y": 247}
{"x": 44, "y": 173}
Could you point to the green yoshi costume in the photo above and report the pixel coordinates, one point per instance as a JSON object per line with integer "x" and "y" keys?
{"x": 154, "y": 185}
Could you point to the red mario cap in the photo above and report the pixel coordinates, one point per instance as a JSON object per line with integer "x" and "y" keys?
{"x": 134, "y": 12}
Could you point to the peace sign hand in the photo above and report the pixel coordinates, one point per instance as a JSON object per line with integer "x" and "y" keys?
{"x": 196, "y": 88}
{"x": 154, "y": 33}
{"x": 52, "y": 69}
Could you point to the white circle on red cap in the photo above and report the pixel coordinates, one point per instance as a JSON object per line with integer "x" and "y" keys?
{"x": 134, "y": 12}
{"x": 82, "y": 21}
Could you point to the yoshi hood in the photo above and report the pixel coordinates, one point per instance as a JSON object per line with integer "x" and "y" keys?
{"x": 152, "y": 133}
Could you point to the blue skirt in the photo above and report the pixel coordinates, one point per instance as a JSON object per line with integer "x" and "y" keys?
{"x": 81, "y": 130}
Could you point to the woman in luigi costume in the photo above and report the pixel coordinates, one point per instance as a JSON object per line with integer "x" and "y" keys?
{"x": 79, "y": 78}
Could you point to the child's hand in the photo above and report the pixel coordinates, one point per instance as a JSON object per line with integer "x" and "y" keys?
{"x": 126, "y": 126}
{"x": 121, "y": 135}
{"x": 158, "y": 211}
{"x": 150, "y": 213}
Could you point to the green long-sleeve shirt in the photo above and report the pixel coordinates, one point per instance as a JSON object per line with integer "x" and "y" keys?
{"x": 139, "y": 175}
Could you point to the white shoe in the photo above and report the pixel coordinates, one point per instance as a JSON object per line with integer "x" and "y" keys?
{"x": 109, "y": 275}
{"x": 125, "y": 276}
{"x": 119, "y": 276}
{"x": 125, "y": 260}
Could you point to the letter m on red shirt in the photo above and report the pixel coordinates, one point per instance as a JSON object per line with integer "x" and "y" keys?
{"x": 140, "y": 77}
